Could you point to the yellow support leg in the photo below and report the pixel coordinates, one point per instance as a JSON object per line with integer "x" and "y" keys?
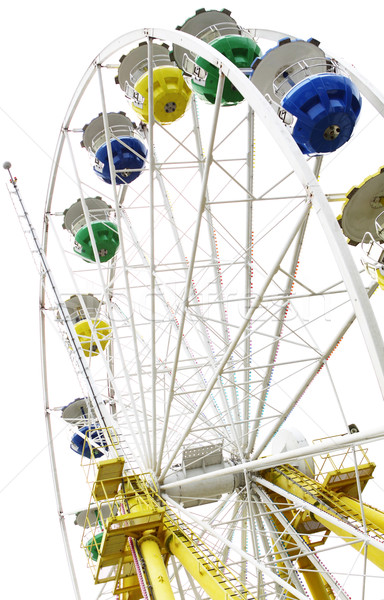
{"x": 373, "y": 515}
{"x": 158, "y": 576}
{"x": 374, "y": 554}
{"x": 314, "y": 580}
{"x": 213, "y": 586}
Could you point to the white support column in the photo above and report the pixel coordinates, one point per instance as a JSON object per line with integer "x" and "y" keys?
{"x": 151, "y": 124}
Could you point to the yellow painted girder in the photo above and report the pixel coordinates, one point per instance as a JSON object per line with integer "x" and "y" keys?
{"x": 317, "y": 585}
{"x": 205, "y": 573}
{"x": 314, "y": 580}
{"x": 157, "y": 572}
{"x": 345, "y": 507}
{"x": 372, "y": 514}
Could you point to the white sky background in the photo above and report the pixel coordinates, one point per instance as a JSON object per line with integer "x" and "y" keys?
{"x": 45, "y": 49}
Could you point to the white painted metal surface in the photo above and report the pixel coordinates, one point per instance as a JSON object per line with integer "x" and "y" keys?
{"x": 232, "y": 288}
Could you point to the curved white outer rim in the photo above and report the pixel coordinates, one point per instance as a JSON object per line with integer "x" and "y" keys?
{"x": 356, "y": 290}
{"x": 349, "y": 273}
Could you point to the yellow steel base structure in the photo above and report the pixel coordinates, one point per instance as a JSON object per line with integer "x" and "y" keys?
{"x": 331, "y": 498}
{"x": 135, "y": 532}
{"x": 138, "y": 537}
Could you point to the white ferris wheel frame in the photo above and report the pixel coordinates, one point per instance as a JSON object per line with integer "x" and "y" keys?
{"x": 357, "y": 293}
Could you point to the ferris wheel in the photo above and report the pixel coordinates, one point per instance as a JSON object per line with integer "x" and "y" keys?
{"x": 213, "y": 263}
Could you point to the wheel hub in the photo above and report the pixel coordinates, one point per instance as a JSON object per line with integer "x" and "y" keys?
{"x": 170, "y": 107}
{"x": 332, "y": 132}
